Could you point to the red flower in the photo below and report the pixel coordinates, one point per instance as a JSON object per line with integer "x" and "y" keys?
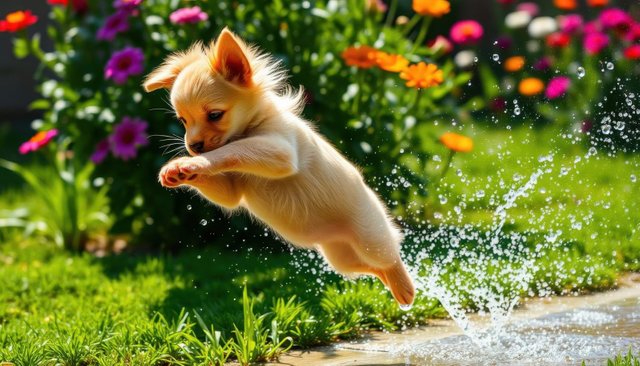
{"x": 16, "y": 21}
{"x": 632, "y": 52}
{"x": 58, "y": 2}
{"x": 558, "y": 40}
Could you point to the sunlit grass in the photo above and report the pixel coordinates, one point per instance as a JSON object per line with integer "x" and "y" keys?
{"x": 144, "y": 308}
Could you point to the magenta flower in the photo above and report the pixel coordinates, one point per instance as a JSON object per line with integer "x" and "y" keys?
{"x": 37, "y": 141}
{"x": 570, "y": 23}
{"x": 127, "y": 137}
{"x": 542, "y": 64}
{"x": 116, "y": 23}
{"x": 592, "y": 27}
{"x": 595, "y": 42}
{"x": 557, "y": 87}
{"x": 503, "y": 42}
{"x": 615, "y": 18}
{"x": 123, "y": 64}
{"x": 633, "y": 34}
{"x": 127, "y": 5}
{"x": 466, "y": 32}
{"x": 188, "y": 15}
{"x": 101, "y": 152}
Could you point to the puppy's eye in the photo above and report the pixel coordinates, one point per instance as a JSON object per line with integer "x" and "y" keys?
{"x": 182, "y": 120}
{"x": 214, "y": 116}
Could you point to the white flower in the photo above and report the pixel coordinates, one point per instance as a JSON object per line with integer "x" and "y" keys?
{"x": 542, "y": 26}
{"x": 464, "y": 59}
{"x": 517, "y": 19}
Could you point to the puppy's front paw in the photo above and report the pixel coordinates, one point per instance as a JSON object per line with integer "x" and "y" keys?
{"x": 181, "y": 171}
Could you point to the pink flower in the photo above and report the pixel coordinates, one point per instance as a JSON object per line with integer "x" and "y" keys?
{"x": 38, "y": 140}
{"x": 376, "y": 6}
{"x": 595, "y": 42}
{"x": 188, "y": 15}
{"x": 532, "y": 8}
{"x": 557, "y": 87}
{"x": 466, "y": 32}
{"x": 632, "y": 52}
{"x": 127, "y": 137}
{"x": 116, "y": 23}
{"x": 592, "y": 27}
{"x": 127, "y": 5}
{"x": 123, "y": 64}
{"x": 633, "y": 34}
{"x": 101, "y": 152}
{"x": 615, "y": 18}
{"x": 570, "y": 23}
{"x": 440, "y": 44}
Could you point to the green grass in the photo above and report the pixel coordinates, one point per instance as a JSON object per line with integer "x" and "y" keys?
{"x": 58, "y": 307}
{"x": 624, "y": 360}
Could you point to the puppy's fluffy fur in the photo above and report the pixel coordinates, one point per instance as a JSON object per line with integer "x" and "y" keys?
{"x": 250, "y": 148}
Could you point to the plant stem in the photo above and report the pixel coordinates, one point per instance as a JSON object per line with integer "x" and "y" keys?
{"x": 426, "y": 21}
{"x": 391, "y": 15}
{"x": 412, "y": 23}
{"x": 447, "y": 165}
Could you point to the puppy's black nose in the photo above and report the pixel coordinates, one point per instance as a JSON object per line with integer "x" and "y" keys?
{"x": 197, "y": 147}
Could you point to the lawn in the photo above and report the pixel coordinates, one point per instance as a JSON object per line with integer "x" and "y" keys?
{"x": 142, "y": 307}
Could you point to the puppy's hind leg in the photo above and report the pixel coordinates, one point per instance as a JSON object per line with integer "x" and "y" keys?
{"x": 342, "y": 257}
{"x": 380, "y": 252}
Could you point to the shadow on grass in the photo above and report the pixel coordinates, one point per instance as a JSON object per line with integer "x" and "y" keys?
{"x": 210, "y": 281}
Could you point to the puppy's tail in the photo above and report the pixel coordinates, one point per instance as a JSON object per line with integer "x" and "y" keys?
{"x": 399, "y": 283}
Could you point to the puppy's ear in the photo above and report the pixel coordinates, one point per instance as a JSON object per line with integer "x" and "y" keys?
{"x": 230, "y": 60}
{"x": 164, "y": 75}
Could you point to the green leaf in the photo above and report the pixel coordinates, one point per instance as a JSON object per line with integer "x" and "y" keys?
{"x": 40, "y": 104}
{"x": 20, "y": 48}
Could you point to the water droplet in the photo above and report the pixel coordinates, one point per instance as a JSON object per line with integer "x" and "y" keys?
{"x": 592, "y": 150}
{"x": 203, "y": 222}
{"x": 516, "y": 111}
{"x": 619, "y": 126}
{"x": 443, "y": 199}
{"x": 633, "y": 178}
{"x": 405, "y": 307}
{"x": 610, "y": 66}
{"x": 606, "y": 129}
{"x": 580, "y": 72}
{"x": 189, "y": 207}
{"x": 495, "y": 57}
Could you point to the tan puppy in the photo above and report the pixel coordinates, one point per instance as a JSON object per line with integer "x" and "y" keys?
{"x": 250, "y": 148}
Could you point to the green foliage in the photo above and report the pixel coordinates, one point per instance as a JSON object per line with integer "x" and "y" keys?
{"x": 71, "y": 208}
{"x": 370, "y": 114}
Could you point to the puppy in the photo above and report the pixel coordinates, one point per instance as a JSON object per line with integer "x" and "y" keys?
{"x": 249, "y": 148}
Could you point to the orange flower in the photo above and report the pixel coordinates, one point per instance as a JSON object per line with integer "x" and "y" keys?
{"x": 17, "y": 21}
{"x": 530, "y": 87}
{"x": 513, "y": 64}
{"x": 422, "y": 75}
{"x": 456, "y": 142}
{"x": 565, "y": 4}
{"x": 434, "y": 8}
{"x": 597, "y": 3}
{"x": 391, "y": 62}
{"x": 363, "y": 57}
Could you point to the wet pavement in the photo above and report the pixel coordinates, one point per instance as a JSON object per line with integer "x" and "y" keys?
{"x": 556, "y": 331}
